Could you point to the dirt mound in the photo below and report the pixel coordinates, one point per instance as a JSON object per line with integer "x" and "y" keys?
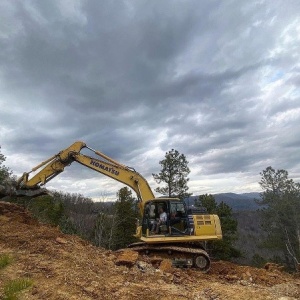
{"x": 232, "y": 272}
{"x": 67, "y": 267}
{"x": 13, "y": 212}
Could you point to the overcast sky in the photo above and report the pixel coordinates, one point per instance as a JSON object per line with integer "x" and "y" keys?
{"x": 216, "y": 80}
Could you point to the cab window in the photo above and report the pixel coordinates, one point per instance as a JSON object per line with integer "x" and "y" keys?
{"x": 178, "y": 209}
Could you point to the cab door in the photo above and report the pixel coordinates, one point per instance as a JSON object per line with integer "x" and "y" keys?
{"x": 148, "y": 217}
{"x": 178, "y": 216}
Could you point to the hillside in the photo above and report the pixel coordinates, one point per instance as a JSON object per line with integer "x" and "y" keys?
{"x": 250, "y": 237}
{"x": 67, "y": 267}
{"x": 238, "y": 202}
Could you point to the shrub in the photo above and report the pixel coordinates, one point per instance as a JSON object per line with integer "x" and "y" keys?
{"x": 5, "y": 260}
{"x": 13, "y": 287}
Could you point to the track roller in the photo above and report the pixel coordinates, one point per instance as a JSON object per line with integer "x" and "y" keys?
{"x": 202, "y": 262}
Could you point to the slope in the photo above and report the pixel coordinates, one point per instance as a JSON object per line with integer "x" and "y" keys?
{"x": 67, "y": 267}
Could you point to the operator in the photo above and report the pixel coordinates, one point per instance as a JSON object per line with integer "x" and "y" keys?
{"x": 162, "y": 219}
{"x": 174, "y": 218}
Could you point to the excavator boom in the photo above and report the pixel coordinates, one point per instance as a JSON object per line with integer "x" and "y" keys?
{"x": 106, "y": 166}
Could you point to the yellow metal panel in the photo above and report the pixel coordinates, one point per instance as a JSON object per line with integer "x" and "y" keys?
{"x": 207, "y": 225}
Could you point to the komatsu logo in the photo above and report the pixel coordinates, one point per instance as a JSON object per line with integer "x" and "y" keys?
{"x": 104, "y": 168}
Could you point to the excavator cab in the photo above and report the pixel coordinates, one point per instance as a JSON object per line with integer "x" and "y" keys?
{"x": 177, "y": 222}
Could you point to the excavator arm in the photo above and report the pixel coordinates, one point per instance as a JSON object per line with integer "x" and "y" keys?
{"x": 106, "y": 166}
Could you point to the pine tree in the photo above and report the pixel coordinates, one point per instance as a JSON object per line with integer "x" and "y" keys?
{"x": 174, "y": 173}
{"x": 126, "y": 215}
{"x": 281, "y": 214}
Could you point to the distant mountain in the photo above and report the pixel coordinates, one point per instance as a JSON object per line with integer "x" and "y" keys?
{"x": 238, "y": 202}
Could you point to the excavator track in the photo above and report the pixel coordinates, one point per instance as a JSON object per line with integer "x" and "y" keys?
{"x": 181, "y": 256}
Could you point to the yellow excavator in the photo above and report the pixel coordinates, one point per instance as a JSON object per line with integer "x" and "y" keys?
{"x": 183, "y": 234}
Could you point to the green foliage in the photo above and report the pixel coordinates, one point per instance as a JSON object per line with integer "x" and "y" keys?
{"x": 66, "y": 225}
{"x": 126, "y": 215}
{"x": 49, "y": 209}
{"x": 13, "y": 287}
{"x": 207, "y": 201}
{"x": 115, "y": 227}
{"x": 5, "y": 260}
{"x": 258, "y": 261}
{"x": 281, "y": 214}
{"x": 46, "y": 209}
{"x": 4, "y": 171}
{"x": 78, "y": 214}
{"x": 229, "y": 224}
{"x": 174, "y": 173}
{"x": 221, "y": 249}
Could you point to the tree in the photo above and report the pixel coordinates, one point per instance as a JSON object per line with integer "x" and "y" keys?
{"x": 104, "y": 229}
{"x": 126, "y": 215}
{"x": 79, "y": 214}
{"x": 80, "y": 211}
{"x": 4, "y": 171}
{"x": 280, "y": 201}
{"x": 208, "y": 202}
{"x": 174, "y": 173}
{"x": 7, "y": 181}
{"x": 223, "y": 249}
{"x": 46, "y": 209}
{"x": 115, "y": 227}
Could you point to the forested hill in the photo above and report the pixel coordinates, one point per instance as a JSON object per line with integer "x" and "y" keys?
{"x": 238, "y": 202}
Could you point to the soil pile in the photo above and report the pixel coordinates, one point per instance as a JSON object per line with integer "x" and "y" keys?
{"x": 67, "y": 267}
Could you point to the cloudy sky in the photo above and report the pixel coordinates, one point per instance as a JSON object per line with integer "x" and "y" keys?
{"x": 216, "y": 80}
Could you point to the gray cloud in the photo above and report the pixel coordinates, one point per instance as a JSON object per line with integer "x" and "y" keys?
{"x": 219, "y": 81}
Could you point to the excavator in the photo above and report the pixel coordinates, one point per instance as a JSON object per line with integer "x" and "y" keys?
{"x": 182, "y": 237}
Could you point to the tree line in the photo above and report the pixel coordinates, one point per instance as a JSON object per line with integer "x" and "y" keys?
{"x": 280, "y": 201}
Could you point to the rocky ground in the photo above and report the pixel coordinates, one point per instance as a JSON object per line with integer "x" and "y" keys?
{"x": 67, "y": 267}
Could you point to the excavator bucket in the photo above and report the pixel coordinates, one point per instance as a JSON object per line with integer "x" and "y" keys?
{"x": 32, "y": 193}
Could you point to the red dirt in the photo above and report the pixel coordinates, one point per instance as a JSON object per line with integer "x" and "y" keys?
{"x": 67, "y": 267}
